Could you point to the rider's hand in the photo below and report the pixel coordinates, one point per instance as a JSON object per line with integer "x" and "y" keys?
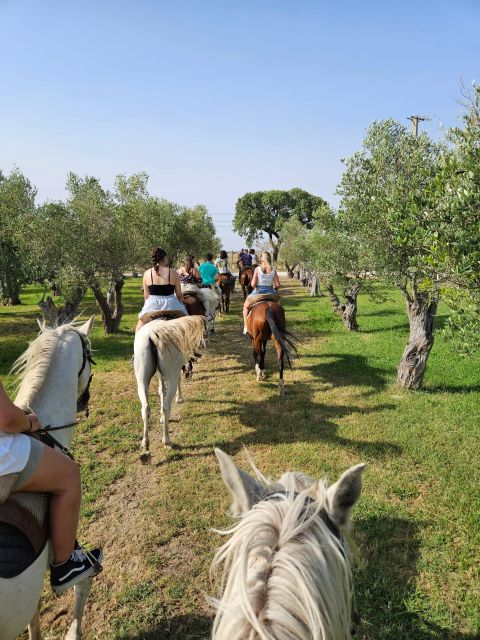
{"x": 34, "y": 423}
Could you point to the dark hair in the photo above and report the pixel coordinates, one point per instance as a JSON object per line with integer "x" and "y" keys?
{"x": 209, "y": 256}
{"x": 189, "y": 264}
{"x": 157, "y": 256}
{"x": 223, "y": 254}
{"x": 252, "y": 251}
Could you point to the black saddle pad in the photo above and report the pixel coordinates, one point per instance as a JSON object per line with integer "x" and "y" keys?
{"x": 16, "y": 551}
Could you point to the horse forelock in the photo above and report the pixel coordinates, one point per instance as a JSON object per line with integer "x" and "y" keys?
{"x": 32, "y": 366}
{"x": 285, "y": 575}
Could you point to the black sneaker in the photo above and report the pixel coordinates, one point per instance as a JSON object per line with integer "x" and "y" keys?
{"x": 81, "y": 564}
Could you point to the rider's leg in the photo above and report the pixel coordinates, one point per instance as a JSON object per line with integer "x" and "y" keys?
{"x": 246, "y": 308}
{"x": 59, "y": 476}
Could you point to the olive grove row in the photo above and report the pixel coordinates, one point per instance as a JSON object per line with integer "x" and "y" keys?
{"x": 90, "y": 240}
{"x": 409, "y": 215}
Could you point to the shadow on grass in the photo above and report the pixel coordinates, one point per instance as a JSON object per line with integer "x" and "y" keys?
{"x": 184, "y": 627}
{"x": 342, "y": 369}
{"x": 390, "y": 549}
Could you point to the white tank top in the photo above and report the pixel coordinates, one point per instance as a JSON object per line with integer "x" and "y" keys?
{"x": 265, "y": 279}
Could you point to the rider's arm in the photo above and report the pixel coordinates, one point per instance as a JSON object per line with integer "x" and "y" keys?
{"x": 253, "y": 283}
{"x": 196, "y": 273}
{"x": 276, "y": 281}
{"x": 178, "y": 288}
{"x": 12, "y": 418}
{"x": 145, "y": 287}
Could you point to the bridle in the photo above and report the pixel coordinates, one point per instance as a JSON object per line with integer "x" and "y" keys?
{"x": 82, "y": 401}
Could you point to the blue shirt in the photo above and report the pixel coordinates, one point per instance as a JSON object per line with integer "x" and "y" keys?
{"x": 208, "y": 271}
{"x": 246, "y": 259}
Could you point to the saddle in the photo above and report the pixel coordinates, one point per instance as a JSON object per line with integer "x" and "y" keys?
{"x": 227, "y": 279}
{"x": 167, "y": 314}
{"x": 23, "y": 527}
{"x": 263, "y": 297}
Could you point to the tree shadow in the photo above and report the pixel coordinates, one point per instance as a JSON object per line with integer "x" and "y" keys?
{"x": 389, "y": 549}
{"x": 182, "y": 627}
{"x": 344, "y": 369}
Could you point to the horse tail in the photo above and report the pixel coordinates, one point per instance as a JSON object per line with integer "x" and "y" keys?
{"x": 154, "y": 350}
{"x": 287, "y": 340}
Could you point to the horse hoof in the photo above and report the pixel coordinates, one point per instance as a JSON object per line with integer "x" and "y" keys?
{"x": 145, "y": 457}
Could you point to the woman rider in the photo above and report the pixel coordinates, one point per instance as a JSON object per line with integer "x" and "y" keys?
{"x": 190, "y": 278}
{"x": 265, "y": 281}
{"x": 46, "y": 470}
{"x": 161, "y": 288}
{"x": 222, "y": 263}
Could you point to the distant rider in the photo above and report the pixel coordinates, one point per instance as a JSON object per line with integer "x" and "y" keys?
{"x": 265, "y": 281}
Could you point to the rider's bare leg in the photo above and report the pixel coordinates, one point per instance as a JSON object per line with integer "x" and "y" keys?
{"x": 59, "y": 476}
{"x": 246, "y": 308}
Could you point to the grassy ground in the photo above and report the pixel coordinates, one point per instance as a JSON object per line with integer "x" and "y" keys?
{"x": 417, "y": 524}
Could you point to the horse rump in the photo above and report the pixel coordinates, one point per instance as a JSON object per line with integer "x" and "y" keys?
{"x": 286, "y": 339}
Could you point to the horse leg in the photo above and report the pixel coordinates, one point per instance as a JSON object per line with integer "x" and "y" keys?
{"x": 82, "y": 589}
{"x": 280, "y": 355}
{"x": 262, "y": 359}
{"x": 179, "y": 396}
{"x": 168, "y": 395}
{"x": 257, "y": 356}
{"x": 145, "y": 456}
{"x": 34, "y": 632}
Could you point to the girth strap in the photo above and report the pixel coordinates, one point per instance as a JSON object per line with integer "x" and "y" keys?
{"x": 18, "y": 516}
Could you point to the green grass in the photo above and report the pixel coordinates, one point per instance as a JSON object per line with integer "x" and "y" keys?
{"x": 417, "y": 524}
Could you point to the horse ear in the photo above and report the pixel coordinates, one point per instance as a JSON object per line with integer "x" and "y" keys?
{"x": 87, "y": 326}
{"x": 342, "y": 496}
{"x": 244, "y": 489}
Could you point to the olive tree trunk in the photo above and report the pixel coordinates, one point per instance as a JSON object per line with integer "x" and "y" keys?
{"x": 347, "y": 310}
{"x": 314, "y": 285}
{"x": 9, "y": 281}
{"x": 421, "y": 309}
{"x": 290, "y": 269}
{"x": 111, "y": 304}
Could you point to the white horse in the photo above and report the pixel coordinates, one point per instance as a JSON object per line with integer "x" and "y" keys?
{"x": 286, "y": 565}
{"x": 54, "y": 373}
{"x": 164, "y": 345}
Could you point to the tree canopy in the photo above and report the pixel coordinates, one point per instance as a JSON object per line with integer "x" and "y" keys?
{"x": 267, "y": 211}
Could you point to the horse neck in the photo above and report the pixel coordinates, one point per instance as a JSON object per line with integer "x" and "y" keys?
{"x": 55, "y": 402}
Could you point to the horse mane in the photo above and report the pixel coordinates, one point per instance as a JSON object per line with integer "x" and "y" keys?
{"x": 32, "y": 366}
{"x": 185, "y": 334}
{"x": 285, "y": 575}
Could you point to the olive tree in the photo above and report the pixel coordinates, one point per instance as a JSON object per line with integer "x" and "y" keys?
{"x": 267, "y": 211}
{"x": 386, "y": 200}
{"x": 17, "y": 203}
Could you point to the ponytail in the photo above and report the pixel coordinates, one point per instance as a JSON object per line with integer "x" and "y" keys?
{"x": 157, "y": 256}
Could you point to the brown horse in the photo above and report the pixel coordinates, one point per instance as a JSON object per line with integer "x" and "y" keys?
{"x": 227, "y": 284}
{"x": 267, "y": 320}
{"x": 246, "y": 277}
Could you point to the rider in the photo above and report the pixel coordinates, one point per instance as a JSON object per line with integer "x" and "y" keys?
{"x": 244, "y": 259}
{"x": 222, "y": 264}
{"x": 190, "y": 278}
{"x": 46, "y": 470}
{"x": 160, "y": 284}
{"x": 210, "y": 274}
{"x": 265, "y": 281}
{"x": 254, "y": 257}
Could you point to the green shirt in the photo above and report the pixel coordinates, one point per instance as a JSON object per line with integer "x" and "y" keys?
{"x": 208, "y": 271}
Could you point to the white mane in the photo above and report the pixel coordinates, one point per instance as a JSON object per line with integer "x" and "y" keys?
{"x": 185, "y": 334}
{"x": 33, "y": 365}
{"x": 285, "y": 575}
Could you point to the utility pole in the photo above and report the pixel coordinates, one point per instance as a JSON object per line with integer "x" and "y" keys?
{"x": 415, "y": 120}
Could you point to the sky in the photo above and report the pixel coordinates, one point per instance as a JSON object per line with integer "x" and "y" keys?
{"x": 216, "y": 98}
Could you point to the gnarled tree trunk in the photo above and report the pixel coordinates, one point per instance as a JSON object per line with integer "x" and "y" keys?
{"x": 290, "y": 269}
{"x": 349, "y": 309}
{"x": 334, "y": 299}
{"x": 111, "y": 304}
{"x": 314, "y": 286}
{"x": 421, "y": 309}
{"x": 9, "y": 283}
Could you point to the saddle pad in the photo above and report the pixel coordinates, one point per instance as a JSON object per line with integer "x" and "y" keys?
{"x": 6, "y": 484}
{"x": 16, "y": 551}
{"x": 23, "y": 531}
{"x": 263, "y": 297}
{"x": 161, "y": 315}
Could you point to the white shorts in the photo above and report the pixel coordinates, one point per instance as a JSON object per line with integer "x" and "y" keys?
{"x": 162, "y": 303}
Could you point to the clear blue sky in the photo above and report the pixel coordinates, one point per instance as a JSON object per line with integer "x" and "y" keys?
{"x": 213, "y": 99}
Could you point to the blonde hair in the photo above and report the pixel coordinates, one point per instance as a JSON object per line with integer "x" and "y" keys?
{"x": 265, "y": 258}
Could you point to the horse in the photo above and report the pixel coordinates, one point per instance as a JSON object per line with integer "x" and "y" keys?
{"x": 227, "y": 284}
{"x": 286, "y": 565}
{"x": 267, "y": 320}
{"x": 246, "y": 277}
{"x": 55, "y": 374}
{"x": 164, "y": 347}
{"x": 195, "y": 307}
